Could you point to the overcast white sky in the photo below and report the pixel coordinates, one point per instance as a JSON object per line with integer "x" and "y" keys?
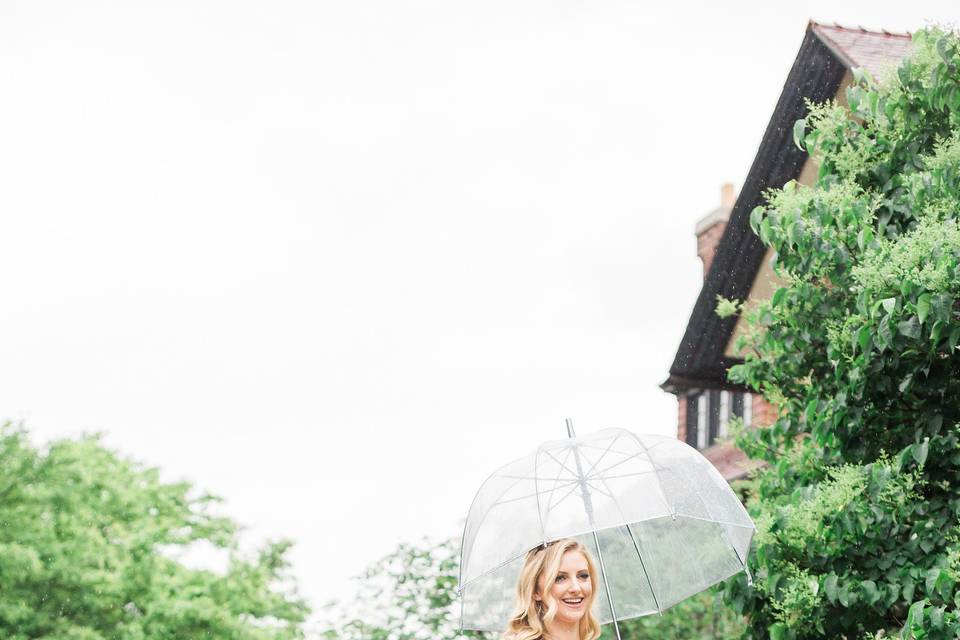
{"x": 337, "y": 261}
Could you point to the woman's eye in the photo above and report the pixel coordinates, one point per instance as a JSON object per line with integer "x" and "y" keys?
{"x": 584, "y": 576}
{"x": 559, "y": 579}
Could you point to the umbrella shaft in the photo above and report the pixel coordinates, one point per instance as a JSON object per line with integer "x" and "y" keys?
{"x": 606, "y": 585}
{"x": 584, "y": 489}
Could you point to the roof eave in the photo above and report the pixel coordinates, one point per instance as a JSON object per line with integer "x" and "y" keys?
{"x": 816, "y": 74}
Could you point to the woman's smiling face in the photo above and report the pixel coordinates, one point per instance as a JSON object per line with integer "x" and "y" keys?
{"x": 572, "y": 588}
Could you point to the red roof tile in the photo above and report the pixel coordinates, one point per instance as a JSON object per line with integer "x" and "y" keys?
{"x": 872, "y": 50}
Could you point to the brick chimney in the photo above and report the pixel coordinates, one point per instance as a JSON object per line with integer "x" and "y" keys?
{"x": 710, "y": 228}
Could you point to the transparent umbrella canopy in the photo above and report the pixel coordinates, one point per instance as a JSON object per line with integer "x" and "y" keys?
{"x": 661, "y": 522}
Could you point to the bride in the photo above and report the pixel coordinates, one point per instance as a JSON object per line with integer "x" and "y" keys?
{"x": 555, "y": 595}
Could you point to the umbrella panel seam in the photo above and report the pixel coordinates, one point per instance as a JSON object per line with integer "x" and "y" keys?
{"x": 588, "y": 531}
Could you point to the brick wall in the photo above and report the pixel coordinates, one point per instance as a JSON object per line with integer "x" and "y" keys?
{"x": 707, "y": 245}
{"x": 764, "y": 413}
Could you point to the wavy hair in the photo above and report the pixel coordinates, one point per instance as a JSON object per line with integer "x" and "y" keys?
{"x": 528, "y": 620}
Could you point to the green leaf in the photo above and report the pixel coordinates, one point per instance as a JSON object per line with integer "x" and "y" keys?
{"x": 936, "y": 331}
{"x": 954, "y": 338}
{"x": 798, "y": 129}
{"x": 777, "y": 631}
{"x": 778, "y": 296}
{"x": 943, "y": 50}
{"x": 931, "y": 580}
{"x": 884, "y": 334}
{"x": 908, "y": 589}
{"x": 905, "y": 383}
{"x": 844, "y": 596}
{"x": 773, "y": 581}
{"x": 945, "y": 585}
{"x": 755, "y": 217}
{"x": 830, "y": 588}
{"x": 915, "y": 614}
{"x": 936, "y": 617}
{"x": 765, "y": 230}
{"x": 889, "y": 304}
{"x": 923, "y": 307}
{"x": 863, "y": 339}
{"x": 921, "y": 450}
{"x": 909, "y": 327}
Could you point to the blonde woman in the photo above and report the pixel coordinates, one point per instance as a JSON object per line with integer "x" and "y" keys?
{"x": 555, "y": 595}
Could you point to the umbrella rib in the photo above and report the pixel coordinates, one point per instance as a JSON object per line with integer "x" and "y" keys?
{"x": 630, "y": 475}
{"x": 724, "y": 522}
{"x": 536, "y": 491}
{"x": 573, "y": 484}
{"x": 593, "y": 446}
{"x": 723, "y": 530}
{"x": 610, "y": 495}
{"x": 555, "y": 481}
{"x": 602, "y": 455}
{"x": 498, "y": 503}
{"x": 599, "y": 490}
{"x": 534, "y": 478}
{"x": 466, "y": 584}
{"x": 620, "y": 462}
{"x": 646, "y": 450}
{"x": 562, "y": 464}
{"x": 573, "y": 488}
{"x": 643, "y": 565}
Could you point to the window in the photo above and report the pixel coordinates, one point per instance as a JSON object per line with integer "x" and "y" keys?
{"x": 709, "y": 413}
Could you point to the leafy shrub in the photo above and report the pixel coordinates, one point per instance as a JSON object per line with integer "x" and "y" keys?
{"x": 859, "y": 504}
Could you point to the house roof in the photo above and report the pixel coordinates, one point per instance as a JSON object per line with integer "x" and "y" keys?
{"x": 859, "y": 47}
{"x": 732, "y": 463}
{"x": 826, "y": 55}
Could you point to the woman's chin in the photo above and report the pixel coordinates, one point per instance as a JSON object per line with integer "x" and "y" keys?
{"x": 570, "y": 614}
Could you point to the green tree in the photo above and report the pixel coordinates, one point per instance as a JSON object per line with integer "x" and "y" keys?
{"x": 411, "y": 595}
{"x": 858, "y": 507}
{"x": 87, "y": 552}
{"x": 697, "y": 618}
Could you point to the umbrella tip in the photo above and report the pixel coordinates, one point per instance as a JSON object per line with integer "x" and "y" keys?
{"x": 570, "y": 432}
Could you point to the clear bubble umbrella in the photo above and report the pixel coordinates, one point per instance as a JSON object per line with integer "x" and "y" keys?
{"x": 661, "y": 522}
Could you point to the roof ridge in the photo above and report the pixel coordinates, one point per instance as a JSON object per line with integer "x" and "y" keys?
{"x": 860, "y": 29}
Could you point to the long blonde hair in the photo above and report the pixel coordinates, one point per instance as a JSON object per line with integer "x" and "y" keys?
{"x": 528, "y": 621}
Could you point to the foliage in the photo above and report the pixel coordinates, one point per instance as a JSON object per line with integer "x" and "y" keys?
{"x": 726, "y": 307}
{"x": 701, "y": 616}
{"x": 411, "y": 595}
{"x": 87, "y": 544}
{"x": 859, "y": 505}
